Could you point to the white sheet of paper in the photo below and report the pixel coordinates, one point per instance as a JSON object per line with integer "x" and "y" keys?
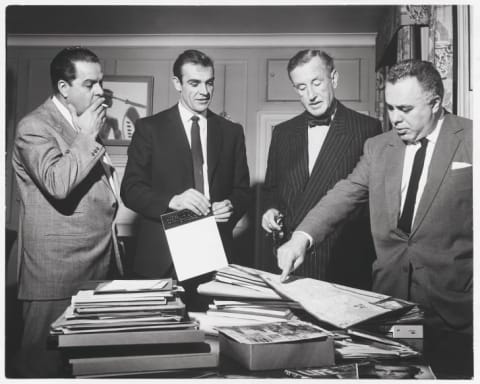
{"x": 133, "y": 285}
{"x": 196, "y": 248}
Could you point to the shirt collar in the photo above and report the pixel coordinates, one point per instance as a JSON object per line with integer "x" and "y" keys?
{"x": 63, "y": 110}
{"x": 186, "y": 114}
{"x": 432, "y": 137}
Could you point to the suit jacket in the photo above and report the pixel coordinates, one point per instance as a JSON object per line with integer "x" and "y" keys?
{"x": 160, "y": 166}
{"x": 67, "y": 207}
{"x": 291, "y": 189}
{"x": 439, "y": 248}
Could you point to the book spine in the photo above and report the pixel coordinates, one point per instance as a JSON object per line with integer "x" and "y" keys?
{"x": 126, "y": 338}
{"x": 93, "y": 366}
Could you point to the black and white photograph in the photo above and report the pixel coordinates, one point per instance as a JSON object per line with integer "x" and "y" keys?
{"x": 328, "y": 145}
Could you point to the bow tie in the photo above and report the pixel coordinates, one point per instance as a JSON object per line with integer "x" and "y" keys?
{"x": 324, "y": 120}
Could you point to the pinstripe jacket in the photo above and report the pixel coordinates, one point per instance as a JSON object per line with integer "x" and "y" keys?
{"x": 67, "y": 207}
{"x": 290, "y": 189}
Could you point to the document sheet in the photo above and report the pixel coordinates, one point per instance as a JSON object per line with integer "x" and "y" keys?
{"x": 335, "y": 304}
{"x": 195, "y": 244}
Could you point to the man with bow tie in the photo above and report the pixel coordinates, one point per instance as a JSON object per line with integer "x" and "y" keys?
{"x": 308, "y": 155}
{"x": 417, "y": 179}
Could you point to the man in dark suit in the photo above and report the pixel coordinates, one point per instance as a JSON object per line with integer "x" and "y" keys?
{"x": 185, "y": 157}
{"x": 68, "y": 203}
{"x": 308, "y": 155}
{"x": 418, "y": 180}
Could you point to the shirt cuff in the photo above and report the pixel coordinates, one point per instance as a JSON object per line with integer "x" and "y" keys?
{"x": 309, "y": 238}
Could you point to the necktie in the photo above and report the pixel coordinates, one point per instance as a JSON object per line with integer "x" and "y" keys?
{"x": 324, "y": 119}
{"x": 319, "y": 121}
{"x": 197, "y": 155}
{"x": 405, "y": 222}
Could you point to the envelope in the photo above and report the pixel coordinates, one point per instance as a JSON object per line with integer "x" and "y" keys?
{"x": 460, "y": 165}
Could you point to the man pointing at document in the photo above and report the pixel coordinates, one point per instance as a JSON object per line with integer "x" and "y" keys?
{"x": 418, "y": 181}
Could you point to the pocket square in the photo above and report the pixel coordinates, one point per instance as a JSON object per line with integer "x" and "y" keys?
{"x": 460, "y": 165}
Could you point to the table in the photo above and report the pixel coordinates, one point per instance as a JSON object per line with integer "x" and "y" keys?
{"x": 449, "y": 354}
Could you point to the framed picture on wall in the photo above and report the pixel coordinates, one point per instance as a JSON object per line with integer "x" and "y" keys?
{"x": 130, "y": 98}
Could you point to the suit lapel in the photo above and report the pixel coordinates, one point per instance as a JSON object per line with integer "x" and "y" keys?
{"x": 298, "y": 176}
{"x": 176, "y": 140}
{"x": 337, "y": 141}
{"x": 394, "y": 158}
{"x": 110, "y": 177}
{"x": 214, "y": 144}
{"x": 69, "y": 134}
{"x": 60, "y": 124}
{"x": 442, "y": 157}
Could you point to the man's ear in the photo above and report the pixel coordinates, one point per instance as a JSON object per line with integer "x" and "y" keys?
{"x": 63, "y": 88}
{"x": 334, "y": 76}
{"x": 177, "y": 83}
{"x": 436, "y": 104}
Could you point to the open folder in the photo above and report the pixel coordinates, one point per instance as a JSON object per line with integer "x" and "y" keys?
{"x": 195, "y": 244}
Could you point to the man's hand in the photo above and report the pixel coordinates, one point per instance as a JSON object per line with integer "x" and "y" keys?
{"x": 91, "y": 120}
{"x": 191, "y": 199}
{"x": 222, "y": 210}
{"x": 292, "y": 254}
{"x": 269, "y": 222}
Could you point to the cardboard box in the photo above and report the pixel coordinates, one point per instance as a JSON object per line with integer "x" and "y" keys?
{"x": 255, "y": 357}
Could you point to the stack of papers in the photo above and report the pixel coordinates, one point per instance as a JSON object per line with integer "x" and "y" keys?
{"x": 252, "y": 310}
{"x": 124, "y": 305}
{"x": 237, "y": 281}
{"x": 260, "y": 305}
{"x": 363, "y": 345}
{"x": 335, "y": 304}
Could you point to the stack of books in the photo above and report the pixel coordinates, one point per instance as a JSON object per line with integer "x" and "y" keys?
{"x": 261, "y": 310}
{"x": 129, "y": 327}
{"x": 242, "y": 298}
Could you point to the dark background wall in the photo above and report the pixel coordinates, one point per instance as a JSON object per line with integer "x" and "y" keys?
{"x": 192, "y": 19}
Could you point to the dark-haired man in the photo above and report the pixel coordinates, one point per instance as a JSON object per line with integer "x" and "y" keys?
{"x": 185, "y": 157}
{"x": 68, "y": 203}
{"x": 308, "y": 155}
{"x": 418, "y": 181}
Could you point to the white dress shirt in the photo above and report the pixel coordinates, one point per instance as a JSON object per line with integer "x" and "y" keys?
{"x": 316, "y": 138}
{"x": 410, "y": 151}
{"x": 186, "y": 117}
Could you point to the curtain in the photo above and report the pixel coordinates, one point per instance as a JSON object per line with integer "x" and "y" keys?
{"x": 441, "y": 49}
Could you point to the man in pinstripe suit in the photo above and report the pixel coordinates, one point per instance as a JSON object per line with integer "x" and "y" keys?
{"x": 308, "y": 155}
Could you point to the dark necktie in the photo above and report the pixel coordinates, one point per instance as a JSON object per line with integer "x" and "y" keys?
{"x": 405, "y": 222}
{"x": 324, "y": 119}
{"x": 197, "y": 155}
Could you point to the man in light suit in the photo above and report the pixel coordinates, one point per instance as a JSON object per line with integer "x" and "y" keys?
{"x": 308, "y": 155}
{"x": 68, "y": 204}
{"x": 185, "y": 157}
{"x": 418, "y": 181}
